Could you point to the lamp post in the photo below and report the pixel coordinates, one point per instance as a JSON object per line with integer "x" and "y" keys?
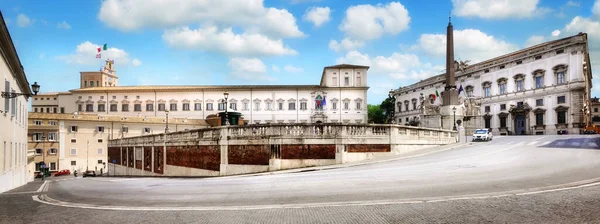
{"x": 35, "y": 88}
{"x": 226, "y": 95}
{"x": 87, "y": 154}
{"x": 167, "y": 121}
{"x": 454, "y": 123}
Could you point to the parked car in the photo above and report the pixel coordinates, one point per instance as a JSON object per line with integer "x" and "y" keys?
{"x": 89, "y": 173}
{"x": 482, "y": 135}
{"x": 62, "y": 172}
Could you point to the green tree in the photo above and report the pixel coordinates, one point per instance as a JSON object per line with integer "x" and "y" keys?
{"x": 375, "y": 114}
{"x": 387, "y": 107}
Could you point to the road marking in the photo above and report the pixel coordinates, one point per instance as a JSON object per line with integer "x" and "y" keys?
{"x": 547, "y": 143}
{"x": 42, "y": 187}
{"x": 580, "y": 184}
{"x": 532, "y": 143}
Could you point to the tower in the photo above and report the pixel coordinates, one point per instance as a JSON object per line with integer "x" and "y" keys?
{"x": 450, "y": 94}
{"x": 107, "y": 76}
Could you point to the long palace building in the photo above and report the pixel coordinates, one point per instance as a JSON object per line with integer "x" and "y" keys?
{"x": 341, "y": 97}
{"x": 542, "y": 89}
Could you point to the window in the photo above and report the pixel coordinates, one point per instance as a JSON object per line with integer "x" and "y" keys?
{"x": 233, "y": 106}
{"x": 346, "y": 106}
{"x": 209, "y": 106}
{"x": 560, "y": 99}
{"x": 334, "y": 81}
{"x": 147, "y": 130}
{"x": 488, "y": 122}
{"x": 538, "y": 57}
{"x": 245, "y": 106}
{"x": 54, "y": 110}
{"x": 73, "y": 140}
{"x": 303, "y": 106}
{"x": 279, "y": 106}
{"x": 39, "y": 151}
{"x": 256, "y": 106}
{"x": 52, "y": 166}
{"x": 561, "y": 117}
{"x": 137, "y": 97}
{"x": 99, "y": 151}
{"x": 73, "y": 163}
{"x": 125, "y": 97}
{"x": 560, "y": 51}
{"x": 101, "y": 107}
{"x": 37, "y": 136}
{"x": 125, "y": 129}
{"x": 99, "y": 161}
{"x": 79, "y": 107}
{"x": 221, "y": 106}
{"x": 267, "y": 106}
{"x": 502, "y": 87}
{"x": 519, "y": 62}
{"x": 539, "y": 119}
{"x": 560, "y": 78}
{"x": 334, "y": 106}
{"x": 73, "y": 128}
{"x": 113, "y": 107}
{"x": 124, "y": 107}
{"x": 173, "y": 107}
{"x": 469, "y": 91}
{"x": 84, "y": 84}
{"x": 502, "y": 106}
{"x": 487, "y": 109}
{"x": 161, "y": 107}
{"x": 73, "y": 152}
{"x": 197, "y": 106}
{"x": 114, "y": 97}
{"x": 596, "y": 110}
{"x": 35, "y": 109}
{"x": 346, "y": 81}
{"x": 486, "y": 71}
{"x": 137, "y": 107}
{"x": 539, "y": 81}
{"x": 358, "y": 105}
{"x": 186, "y": 106}
{"x": 502, "y": 66}
{"x": 520, "y": 86}
{"x": 101, "y": 97}
{"x": 292, "y": 106}
{"x": 52, "y": 151}
{"x": 539, "y": 102}
{"x": 149, "y": 107}
{"x": 91, "y": 83}
{"x": 52, "y": 136}
{"x": 89, "y": 108}
{"x": 503, "y": 122}
{"x": 487, "y": 89}
{"x": 53, "y": 123}
{"x": 37, "y": 122}
{"x": 100, "y": 140}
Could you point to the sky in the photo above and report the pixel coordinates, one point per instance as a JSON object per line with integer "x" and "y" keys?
{"x": 280, "y": 42}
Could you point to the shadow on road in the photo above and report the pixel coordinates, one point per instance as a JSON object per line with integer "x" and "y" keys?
{"x": 579, "y": 143}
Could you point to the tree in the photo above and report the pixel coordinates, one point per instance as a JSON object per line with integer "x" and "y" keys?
{"x": 387, "y": 106}
{"x": 375, "y": 114}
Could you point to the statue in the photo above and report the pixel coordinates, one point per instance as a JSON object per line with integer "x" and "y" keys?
{"x": 472, "y": 106}
{"x": 427, "y": 108}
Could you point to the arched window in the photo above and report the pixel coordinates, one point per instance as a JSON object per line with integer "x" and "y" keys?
{"x": 414, "y": 103}
{"x": 406, "y": 105}
{"x": 487, "y": 89}
{"x": 538, "y": 78}
{"x": 560, "y": 74}
{"x": 502, "y": 85}
{"x": 520, "y": 82}
{"x": 469, "y": 91}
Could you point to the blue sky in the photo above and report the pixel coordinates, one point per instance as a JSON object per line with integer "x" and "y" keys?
{"x": 215, "y": 42}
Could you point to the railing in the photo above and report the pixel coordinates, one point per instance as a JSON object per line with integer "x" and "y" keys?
{"x": 323, "y": 131}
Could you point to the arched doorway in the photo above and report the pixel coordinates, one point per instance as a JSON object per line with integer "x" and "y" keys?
{"x": 520, "y": 125}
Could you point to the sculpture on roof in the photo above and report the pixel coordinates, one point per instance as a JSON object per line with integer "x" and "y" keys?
{"x": 427, "y": 107}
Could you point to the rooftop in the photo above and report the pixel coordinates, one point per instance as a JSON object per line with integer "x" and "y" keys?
{"x": 114, "y": 118}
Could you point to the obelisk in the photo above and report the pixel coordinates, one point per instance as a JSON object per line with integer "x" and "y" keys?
{"x": 450, "y": 94}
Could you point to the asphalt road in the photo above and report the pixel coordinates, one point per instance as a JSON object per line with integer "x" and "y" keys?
{"x": 516, "y": 179}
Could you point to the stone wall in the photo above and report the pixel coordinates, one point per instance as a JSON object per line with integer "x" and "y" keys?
{"x": 235, "y": 150}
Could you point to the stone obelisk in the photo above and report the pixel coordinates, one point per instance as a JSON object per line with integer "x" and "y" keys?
{"x": 450, "y": 94}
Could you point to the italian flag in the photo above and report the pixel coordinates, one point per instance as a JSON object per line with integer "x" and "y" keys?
{"x": 102, "y": 48}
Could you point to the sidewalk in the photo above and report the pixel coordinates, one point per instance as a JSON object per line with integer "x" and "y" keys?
{"x": 417, "y": 153}
{"x": 31, "y": 187}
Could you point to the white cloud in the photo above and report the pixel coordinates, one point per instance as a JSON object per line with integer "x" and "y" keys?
{"x": 63, "y": 25}
{"x": 580, "y": 24}
{"x": 596, "y": 9}
{"x": 397, "y": 66}
{"x": 495, "y": 9}
{"x": 249, "y": 69}
{"x": 85, "y": 54}
{"x": 555, "y": 33}
{"x": 24, "y": 21}
{"x": 368, "y": 22}
{"x": 345, "y": 45}
{"x": 573, "y": 4}
{"x": 317, "y": 15}
{"x": 225, "y": 41}
{"x": 136, "y": 62}
{"x": 534, "y": 40}
{"x": 127, "y": 15}
{"x": 292, "y": 69}
{"x": 275, "y": 68}
{"x": 469, "y": 44}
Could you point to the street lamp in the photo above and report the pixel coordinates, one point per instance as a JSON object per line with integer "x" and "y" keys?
{"x": 167, "y": 121}
{"x": 35, "y": 87}
{"x": 454, "y": 124}
{"x": 226, "y": 95}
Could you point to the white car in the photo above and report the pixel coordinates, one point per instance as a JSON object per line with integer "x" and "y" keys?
{"x": 482, "y": 135}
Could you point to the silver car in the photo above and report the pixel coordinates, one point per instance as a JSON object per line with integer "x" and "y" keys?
{"x": 482, "y": 135}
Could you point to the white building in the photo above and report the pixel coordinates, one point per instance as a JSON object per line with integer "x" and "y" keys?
{"x": 538, "y": 90}
{"x": 13, "y": 116}
{"x": 341, "y": 97}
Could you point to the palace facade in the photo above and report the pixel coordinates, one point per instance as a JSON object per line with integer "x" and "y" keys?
{"x": 341, "y": 97}
{"x": 542, "y": 89}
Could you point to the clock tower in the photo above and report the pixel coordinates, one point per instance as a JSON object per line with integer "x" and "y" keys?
{"x": 107, "y": 76}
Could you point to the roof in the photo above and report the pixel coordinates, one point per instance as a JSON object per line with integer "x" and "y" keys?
{"x": 113, "y": 118}
{"x": 9, "y": 52}
{"x": 193, "y": 88}
{"x": 340, "y": 66}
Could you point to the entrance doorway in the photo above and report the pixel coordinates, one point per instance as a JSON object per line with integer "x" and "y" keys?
{"x": 520, "y": 125}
